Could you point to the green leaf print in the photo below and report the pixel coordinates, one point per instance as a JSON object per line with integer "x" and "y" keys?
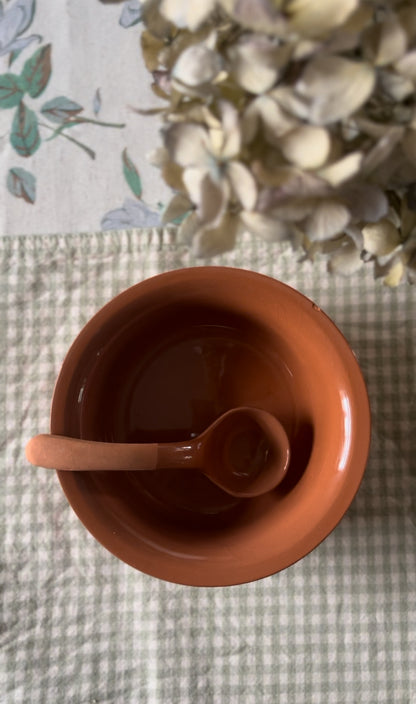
{"x": 131, "y": 174}
{"x": 22, "y": 184}
{"x": 25, "y": 137}
{"x": 11, "y": 90}
{"x": 13, "y": 56}
{"x": 60, "y": 109}
{"x": 37, "y": 70}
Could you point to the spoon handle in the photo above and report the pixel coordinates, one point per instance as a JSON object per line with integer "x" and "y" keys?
{"x": 64, "y": 453}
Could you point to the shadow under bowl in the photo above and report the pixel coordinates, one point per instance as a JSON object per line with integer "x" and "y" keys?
{"x": 162, "y": 361}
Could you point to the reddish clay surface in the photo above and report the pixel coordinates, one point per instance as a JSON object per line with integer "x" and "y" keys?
{"x": 159, "y": 363}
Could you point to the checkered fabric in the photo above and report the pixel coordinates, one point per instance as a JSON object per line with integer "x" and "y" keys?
{"x": 80, "y": 627}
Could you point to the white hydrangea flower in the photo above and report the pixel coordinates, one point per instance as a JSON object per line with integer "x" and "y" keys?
{"x": 185, "y": 13}
{"x": 212, "y": 173}
{"x": 293, "y": 119}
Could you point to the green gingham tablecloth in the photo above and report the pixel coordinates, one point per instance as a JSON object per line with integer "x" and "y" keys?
{"x": 80, "y": 627}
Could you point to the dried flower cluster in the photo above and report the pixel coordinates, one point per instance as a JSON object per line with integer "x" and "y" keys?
{"x": 292, "y": 119}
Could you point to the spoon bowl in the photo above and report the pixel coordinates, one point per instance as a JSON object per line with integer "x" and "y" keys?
{"x": 245, "y": 452}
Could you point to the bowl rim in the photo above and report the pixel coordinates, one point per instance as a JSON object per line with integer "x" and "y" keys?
{"x": 161, "y": 567}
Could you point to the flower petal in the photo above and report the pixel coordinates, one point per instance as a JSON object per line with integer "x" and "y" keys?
{"x": 187, "y": 144}
{"x": 384, "y": 42}
{"x": 406, "y": 66}
{"x": 329, "y": 219}
{"x": 346, "y": 261}
{"x": 171, "y": 172}
{"x": 161, "y": 85}
{"x": 270, "y": 174}
{"x": 291, "y": 184}
{"x": 256, "y": 61}
{"x": 270, "y": 229}
{"x": 373, "y": 129}
{"x": 334, "y": 87}
{"x": 347, "y": 37}
{"x": 214, "y": 241}
{"x": 267, "y": 113}
{"x": 328, "y": 247}
{"x": 172, "y": 175}
{"x": 202, "y": 92}
{"x": 216, "y": 138}
{"x": 243, "y": 184}
{"x": 396, "y": 274}
{"x": 380, "y": 238}
{"x": 200, "y": 113}
{"x": 197, "y": 65}
{"x": 365, "y": 201}
{"x": 188, "y": 229}
{"x": 342, "y": 170}
{"x": 210, "y": 197}
{"x": 304, "y": 48}
{"x": 407, "y": 216}
{"x": 193, "y": 177}
{"x": 395, "y": 86}
{"x": 409, "y": 145}
{"x": 177, "y": 42}
{"x": 382, "y": 149}
{"x": 158, "y": 156}
{"x": 294, "y": 209}
{"x": 187, "y": 14}
{"x": 407, "y": 19}
{"x": 151, "y": 47}
{"x": 257, "y": 15}
{"x": 293, "y": 103}
{"x": 411, "y": 270}
{"x": 354, "y": 233}
{"x": 315, "y": 18}
{"x": 155, "y": 22}
{"x": 307, "y": 147}
{"x": 214, "y": 200}
{"x": 231, "y": 131}
{"x": 176, "y": 209}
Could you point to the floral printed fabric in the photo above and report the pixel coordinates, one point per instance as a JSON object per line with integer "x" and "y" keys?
{"x": 73, "y": 147}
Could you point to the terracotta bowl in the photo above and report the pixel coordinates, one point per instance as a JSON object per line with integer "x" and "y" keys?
{"x": 160, "y": 362}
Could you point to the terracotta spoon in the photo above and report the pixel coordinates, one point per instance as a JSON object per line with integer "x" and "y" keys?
{"x": 245, "y": 452}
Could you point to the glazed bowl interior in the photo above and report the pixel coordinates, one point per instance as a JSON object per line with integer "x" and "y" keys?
{"x": 160, "y": 363}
